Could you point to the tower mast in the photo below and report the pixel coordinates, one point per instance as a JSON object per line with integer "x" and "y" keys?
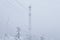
{"x": 30, "y": 22}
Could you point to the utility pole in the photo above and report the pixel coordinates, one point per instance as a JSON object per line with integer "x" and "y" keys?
{"x": 29, "y": 22}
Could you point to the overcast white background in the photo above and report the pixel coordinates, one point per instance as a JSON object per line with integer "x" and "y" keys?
{"x": 45, "y": 17}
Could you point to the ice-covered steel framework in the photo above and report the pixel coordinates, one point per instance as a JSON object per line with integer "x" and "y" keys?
{"x": 18, "y": 35}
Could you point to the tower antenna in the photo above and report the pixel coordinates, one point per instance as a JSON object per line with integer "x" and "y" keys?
{"x": 30, "y": 22}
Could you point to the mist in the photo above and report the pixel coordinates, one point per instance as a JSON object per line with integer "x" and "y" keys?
{"x": 45, "y": 18}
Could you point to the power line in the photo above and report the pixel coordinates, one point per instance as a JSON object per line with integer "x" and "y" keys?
{"x": 21, "y": 4}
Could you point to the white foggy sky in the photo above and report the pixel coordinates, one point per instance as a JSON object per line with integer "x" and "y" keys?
{"x": 45, "y": 16}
